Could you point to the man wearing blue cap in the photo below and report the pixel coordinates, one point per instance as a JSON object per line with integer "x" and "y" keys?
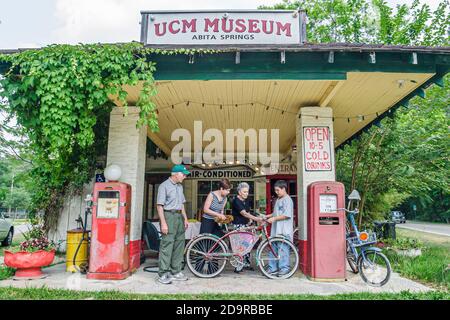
{"x": 172, "y": 216}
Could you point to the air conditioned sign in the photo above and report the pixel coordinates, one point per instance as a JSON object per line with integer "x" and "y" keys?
{"x": 221, "y": 173}
{"x": 317, "y": 149}
{"x": 220, "y": 27}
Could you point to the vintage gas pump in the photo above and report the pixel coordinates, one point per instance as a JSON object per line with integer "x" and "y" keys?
{"x": 110, "y": 234}
{"x": 326, "y": 246}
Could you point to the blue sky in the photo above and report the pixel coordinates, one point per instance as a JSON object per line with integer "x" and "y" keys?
{"x": 36, "y": 23}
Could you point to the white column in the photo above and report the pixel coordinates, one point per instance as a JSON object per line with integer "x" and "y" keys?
{"x": 315, "y": 117}
{"x": 126, "y": 148}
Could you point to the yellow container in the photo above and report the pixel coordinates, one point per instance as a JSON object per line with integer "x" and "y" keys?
{"x": 73, "y": 240}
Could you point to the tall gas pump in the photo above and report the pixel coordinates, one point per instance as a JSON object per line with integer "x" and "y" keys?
{"x": 110, "y": 233}
{"x": 326, "y": 245}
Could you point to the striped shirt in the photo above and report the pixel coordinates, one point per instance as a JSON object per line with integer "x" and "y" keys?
{"x": 216, "y": 206}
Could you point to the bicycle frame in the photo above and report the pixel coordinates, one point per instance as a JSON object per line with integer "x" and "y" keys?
{"x": 249, "y": 230}
{"x": 363, "y": 247}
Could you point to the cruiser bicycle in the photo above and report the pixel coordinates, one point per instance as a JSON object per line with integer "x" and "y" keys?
{"x": 372, "y": 265}
{"x": 207, "y": 254}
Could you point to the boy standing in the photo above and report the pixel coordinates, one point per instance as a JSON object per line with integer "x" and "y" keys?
{"x": 282, "y": 225}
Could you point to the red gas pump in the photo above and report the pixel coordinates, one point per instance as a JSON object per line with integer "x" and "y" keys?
{"x": 110, "y": 235}
{"x": 326, "y": 246}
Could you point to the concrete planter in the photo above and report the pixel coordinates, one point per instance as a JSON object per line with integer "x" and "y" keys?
{"x": 29, "y": 264}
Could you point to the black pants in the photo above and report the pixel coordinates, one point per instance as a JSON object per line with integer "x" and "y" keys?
{"x": 210, "y": 226}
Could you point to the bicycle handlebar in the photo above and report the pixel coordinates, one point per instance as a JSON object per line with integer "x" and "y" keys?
{"x": 260, "y": 227}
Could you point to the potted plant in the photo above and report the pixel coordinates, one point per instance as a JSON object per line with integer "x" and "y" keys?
{"x": 33, "y": 254}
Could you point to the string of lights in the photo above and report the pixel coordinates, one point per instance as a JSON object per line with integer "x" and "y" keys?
{"x": 359, "y": 117}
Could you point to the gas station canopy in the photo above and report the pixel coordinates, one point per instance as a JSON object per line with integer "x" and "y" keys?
{"x": 265, "y": 86}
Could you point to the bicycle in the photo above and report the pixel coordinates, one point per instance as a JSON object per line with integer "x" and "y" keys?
{"x": 369, "y": 261}
{"x": 207, "y": 254}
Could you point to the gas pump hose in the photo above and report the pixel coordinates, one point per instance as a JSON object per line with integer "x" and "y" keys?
{"x": 83, "y": 269}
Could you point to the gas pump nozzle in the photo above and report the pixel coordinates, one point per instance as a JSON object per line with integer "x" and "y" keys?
{"x": 88, "y": 201}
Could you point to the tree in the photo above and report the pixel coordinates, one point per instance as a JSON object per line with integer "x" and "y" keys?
{"x": 406, "y": 156}
{"x": 373, "y": 21}
{"x": 14, "y": 180}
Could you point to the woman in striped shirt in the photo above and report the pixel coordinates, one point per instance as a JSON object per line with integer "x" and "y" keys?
{"x": 214, "y": 207}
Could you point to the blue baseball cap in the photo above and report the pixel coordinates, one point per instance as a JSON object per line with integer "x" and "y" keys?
{"x": 180, "y": 168}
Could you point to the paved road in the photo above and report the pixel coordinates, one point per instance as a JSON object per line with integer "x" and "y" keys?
{"x": 436, "y": 228}
{"x": 21, "y": 228}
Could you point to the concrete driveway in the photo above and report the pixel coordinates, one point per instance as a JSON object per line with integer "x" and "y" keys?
{"x": 436, "y": 228}
{"x": 252, "y": 282}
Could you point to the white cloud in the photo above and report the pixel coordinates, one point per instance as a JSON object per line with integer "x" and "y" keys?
{"x": 118, "y": 20}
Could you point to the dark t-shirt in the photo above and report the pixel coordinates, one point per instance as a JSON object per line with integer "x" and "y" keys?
{"x": 237, "y": 205}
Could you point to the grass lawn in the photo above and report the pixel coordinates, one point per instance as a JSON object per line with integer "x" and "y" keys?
{"x": 427, "y": 238}
{"x": 17, "y": 222}
{"x": 430, "y": 268}
{"x": 9, "y": 293}
{"x": 428, "y": 222}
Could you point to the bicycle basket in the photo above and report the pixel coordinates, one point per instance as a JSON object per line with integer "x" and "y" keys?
{"x": 357, "y": 242}
{"x": 242, "y": 242}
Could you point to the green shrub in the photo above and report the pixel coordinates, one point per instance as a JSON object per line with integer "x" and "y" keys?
{"x": 6, "y": 272}
{"x": 401, "y": 243}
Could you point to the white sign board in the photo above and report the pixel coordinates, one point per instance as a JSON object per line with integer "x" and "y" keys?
{"x": 317, "y": 149}
{"x": 222, "y": 27}
{"x": 108, "y": 208}
{"x": 328, "y": 203}
{"x": 242, "y": 173}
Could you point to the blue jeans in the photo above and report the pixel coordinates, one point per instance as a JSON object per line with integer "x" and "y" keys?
{"x": 282, "y": 251}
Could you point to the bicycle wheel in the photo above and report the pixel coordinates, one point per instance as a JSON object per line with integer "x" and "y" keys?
{"x": 277, "y": 253}
{"x": 296, "y": 240}
{"x": 200, "y": 263}
{"x": 351, "y": 259}
{"x": 375, "y": 269}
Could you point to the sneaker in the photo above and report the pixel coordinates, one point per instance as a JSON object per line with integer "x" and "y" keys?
{"x": 238, "y": 270}
{"x": 249, "y": 268}
{"x": 273, "y": 273}
{"x": 283, "y": 272}
{"x": 165, "y": 278}
{"x": 178, "y": 277}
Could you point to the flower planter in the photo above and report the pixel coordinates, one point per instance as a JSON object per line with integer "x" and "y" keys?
{"x": 29, "y": 264}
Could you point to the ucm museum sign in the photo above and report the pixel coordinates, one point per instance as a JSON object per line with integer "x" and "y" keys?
{"x": 223, "y": 27}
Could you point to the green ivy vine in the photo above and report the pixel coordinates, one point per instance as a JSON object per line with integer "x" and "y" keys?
{"x": 61, "y": 98}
